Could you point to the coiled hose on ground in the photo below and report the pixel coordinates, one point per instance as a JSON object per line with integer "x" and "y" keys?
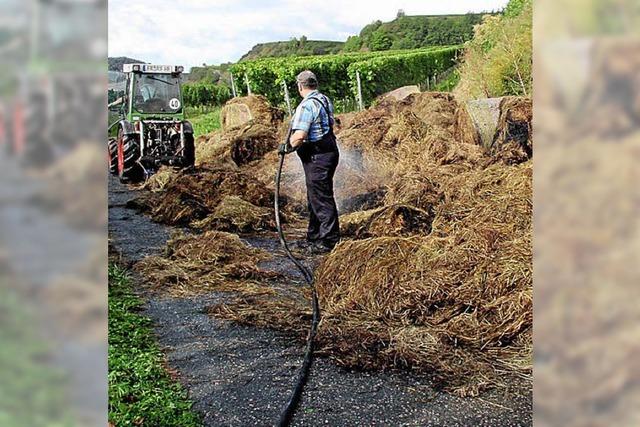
{"x": 290, "y": 408}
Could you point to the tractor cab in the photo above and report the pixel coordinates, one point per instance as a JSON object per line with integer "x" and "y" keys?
{"x": 154, "y": 91}
{"x": 151, "y": 129}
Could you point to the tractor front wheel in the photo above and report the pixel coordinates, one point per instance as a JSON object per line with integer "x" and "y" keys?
{"x": 128, "y": 154}
{"x": 189, "y": 152}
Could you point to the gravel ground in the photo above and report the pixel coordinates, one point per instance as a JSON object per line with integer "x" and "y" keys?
{"x": 242, "y": 376}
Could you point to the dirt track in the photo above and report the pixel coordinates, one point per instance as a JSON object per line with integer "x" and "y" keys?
{"x": 240, "y": 376}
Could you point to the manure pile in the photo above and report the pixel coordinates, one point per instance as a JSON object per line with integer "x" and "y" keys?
{"x": 434, "y": 270}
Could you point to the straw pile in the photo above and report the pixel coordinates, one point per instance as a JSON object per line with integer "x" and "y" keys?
{"x": 212, "y": 261}
{"x": 236, "y": 146}
{"x": 466, "y": 130}
{"x": 192, "y": 196}
{"x": 393, "y": 220}
{"x": 513, "y": 141}
{"x": 285, "y": 311}
{"x": 458, "y": 302}
{"x": 159, "y": 180}
{"x": 238, "y": 111}
{"x": 236, "y": 215}
{"x": 438, "y": 277}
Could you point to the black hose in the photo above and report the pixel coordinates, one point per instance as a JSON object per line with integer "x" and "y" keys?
{"x": 290, "y": 408}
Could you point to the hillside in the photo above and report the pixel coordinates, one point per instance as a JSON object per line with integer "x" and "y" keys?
{"x": 302, "y": 47}
{"x": 410, "y": 32}
{"x": 115, "y": 63}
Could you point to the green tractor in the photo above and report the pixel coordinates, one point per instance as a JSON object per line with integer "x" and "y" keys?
{"x": 150, "y": 129}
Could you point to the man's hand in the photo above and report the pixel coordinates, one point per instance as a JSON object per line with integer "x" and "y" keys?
{"x": 285, "y": 149}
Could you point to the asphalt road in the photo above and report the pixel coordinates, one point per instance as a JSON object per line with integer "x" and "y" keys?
{"x": 242, "y": 376}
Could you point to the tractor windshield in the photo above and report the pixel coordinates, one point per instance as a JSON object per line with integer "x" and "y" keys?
{"x": 157, "y": 93}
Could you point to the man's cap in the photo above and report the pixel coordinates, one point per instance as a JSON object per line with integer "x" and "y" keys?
{"x": 307, "y": 78}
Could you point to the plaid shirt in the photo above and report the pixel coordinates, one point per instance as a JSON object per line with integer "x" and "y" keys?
{"x": 311, "y": 117}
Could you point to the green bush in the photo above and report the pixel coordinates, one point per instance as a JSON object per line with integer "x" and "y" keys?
{"x": 498, "y": 61}
{"x": 380, "y": 41}
{"x": 383, "y": 73}
{"x": 204, "y": 93}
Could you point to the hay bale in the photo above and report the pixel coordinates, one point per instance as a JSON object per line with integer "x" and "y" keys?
{"x": 399, "y": 94}
{"x": 239, "y": 111}
{"x": 252, "y": 142}
{"x": 394, "y": 220}
{"x": 236, "y": 146}
{"x": 212, "y": 261}
{"x": 513, "y": 140}
{"x": 433, "y": 108}
{"x": 214, "y": 150}
{"x": 236, "y": 215}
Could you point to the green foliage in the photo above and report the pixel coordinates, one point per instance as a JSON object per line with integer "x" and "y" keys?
{"x": 368, "y": 30}
{"x": 204, "y": 119}
{"x": 205, "y": 93}
{"x": 336, "y": 73}
{"x": 353, "y": 44}
{"x": 141, "y": 391}
{"x": 448, "y": 82}
{"x": 382, "y": 73}
{"x": 498, "y": 61}
{"x": 412, "y": 32}
{"x": 380, "y": 41}
{"x": 293, "y": 47}
{"x": 210, "y": 73}
{"x": 515, "y": 8}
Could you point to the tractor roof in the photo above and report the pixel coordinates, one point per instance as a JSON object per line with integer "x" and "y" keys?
{"x": 151, "y": 68}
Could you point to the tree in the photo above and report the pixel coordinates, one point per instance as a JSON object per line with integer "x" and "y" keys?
{"x": 380, "y": 41}
{"x": 400, "y": 13}
{"x": 353, "y": 44}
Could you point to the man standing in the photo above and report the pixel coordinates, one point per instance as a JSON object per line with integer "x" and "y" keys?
{"x": 312, "y": 137}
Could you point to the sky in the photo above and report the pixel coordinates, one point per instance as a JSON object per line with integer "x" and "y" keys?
{"x": 193, "y": 32}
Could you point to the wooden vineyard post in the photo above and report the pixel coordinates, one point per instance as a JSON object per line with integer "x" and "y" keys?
{"x": 233, "y": 87}
{"x": 360, "y": 103}
{"x": 246, "y": 80}
{"x": 286, "y": 97}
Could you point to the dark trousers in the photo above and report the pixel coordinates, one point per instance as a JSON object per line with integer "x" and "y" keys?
{"x": 323, "y": 213}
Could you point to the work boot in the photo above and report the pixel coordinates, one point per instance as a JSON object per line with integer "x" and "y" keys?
{"x": 301, "y": 245}
{"x": 319, "y": 248}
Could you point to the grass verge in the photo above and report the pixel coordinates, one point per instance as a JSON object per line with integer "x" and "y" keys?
{"x": 204, "y": 119}
{"x": 141, "y": 391}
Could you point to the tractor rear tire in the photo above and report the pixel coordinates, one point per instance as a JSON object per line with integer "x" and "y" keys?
{"x": 128, "y": 154}
{"x": 189, "y": 153}
{"x": 112, "y": 147}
